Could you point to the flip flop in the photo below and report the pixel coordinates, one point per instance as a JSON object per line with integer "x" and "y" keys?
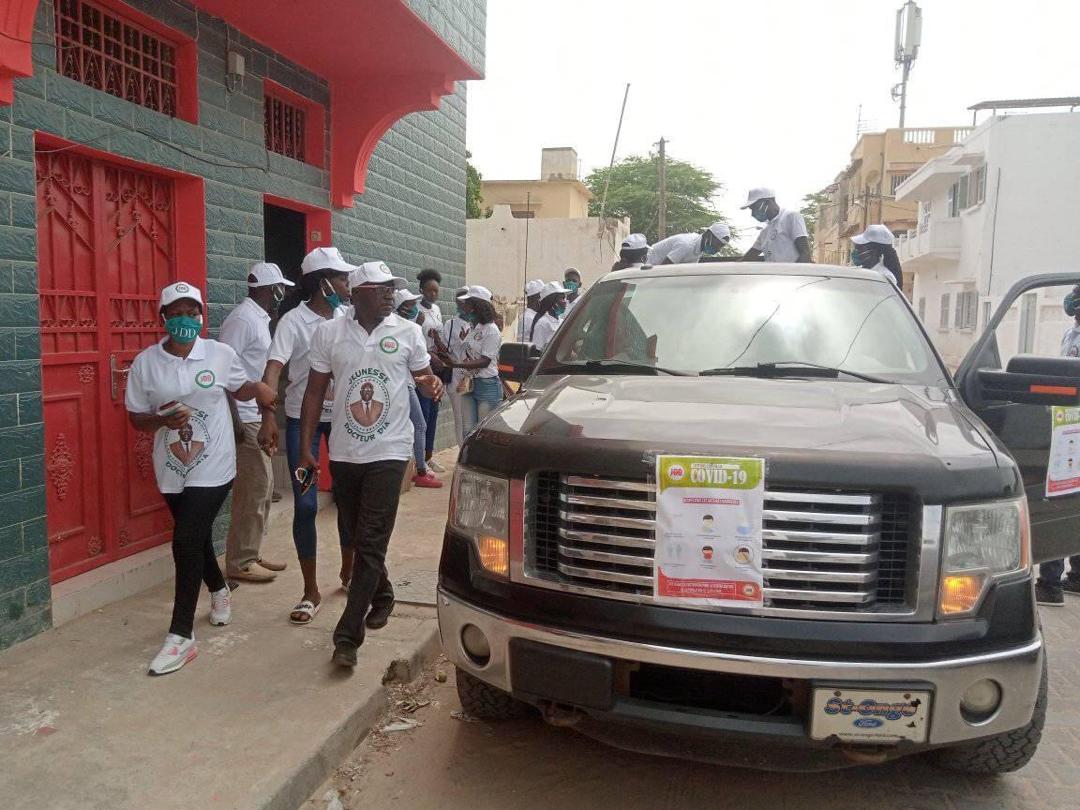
{"x": 307, "y": 608}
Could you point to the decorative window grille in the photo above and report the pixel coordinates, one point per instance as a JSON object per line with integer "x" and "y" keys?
{"x": 285, "y": 126}
{"x": 108, "y": 52}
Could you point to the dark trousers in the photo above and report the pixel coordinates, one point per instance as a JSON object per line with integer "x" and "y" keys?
{"x": 367, "y": 497}
{"x": 1050, "y": 571}
{"x": 430, "y": 409}
{"x": 193, "y": 512}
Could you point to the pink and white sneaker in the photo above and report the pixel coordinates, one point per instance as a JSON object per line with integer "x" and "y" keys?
{"x": 220, "y": 607}
{"x": 176, "y": 652}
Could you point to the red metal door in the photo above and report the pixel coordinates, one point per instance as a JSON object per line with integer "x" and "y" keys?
{"x": 105, "y": 249}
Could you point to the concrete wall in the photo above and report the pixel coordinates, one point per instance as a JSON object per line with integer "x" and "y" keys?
{"x": 412, "y": 216}
{"x": 1026, "y": 225}
{"x": 495, "y": 253}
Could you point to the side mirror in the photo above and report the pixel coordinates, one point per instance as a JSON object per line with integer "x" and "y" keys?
{"x": 517, "y": 361}
{"x": 1034, "y": 380}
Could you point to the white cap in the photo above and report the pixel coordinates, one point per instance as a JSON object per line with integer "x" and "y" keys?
{"x": 635, "y": 241}
{"x": 475, "y": 291}
{"x": 720, "y": 231}
{"x": 533, "y": 287}
{"x": 374, "y": 273}
{"x": 461, "y": 292}
{"x": 325, "y": 258}
{"x": 878, "y": 234}
{"x": 552, "y": 288}
{"x": 404, "y": 296}
{"x": 181, "y": 289}
{"x": 758, "y": 194}
{"x": 266, "y": 274}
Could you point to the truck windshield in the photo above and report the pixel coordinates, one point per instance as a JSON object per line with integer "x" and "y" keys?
{"x": 713, "y": 324}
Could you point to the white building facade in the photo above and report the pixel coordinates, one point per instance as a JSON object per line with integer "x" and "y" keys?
{"x": 1003, "y": 205}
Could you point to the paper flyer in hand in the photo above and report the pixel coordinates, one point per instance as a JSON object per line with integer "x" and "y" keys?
{"x": 1063, "y": 471}
{"x": 709, "y": 514}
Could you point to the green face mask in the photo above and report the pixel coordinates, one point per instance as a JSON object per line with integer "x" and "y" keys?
{"x": 410, "y": 314}
{"x": 183, "y": 328}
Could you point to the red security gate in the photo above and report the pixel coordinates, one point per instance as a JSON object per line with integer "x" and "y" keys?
{"x": 106, "y": 246}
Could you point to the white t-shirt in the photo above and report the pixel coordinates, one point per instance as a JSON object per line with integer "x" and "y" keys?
{"x": 544, "y": 330}
{"x": 371, "y": 406}
{"x": 247, "y": 330}
{"x": 527, "y": 318}
{"x": 682, "y": 248}
{"x": 484, "y": 340}
{"x": 432, "y": 320}
{"x": 777, "y": 239}
{"x": 1070, "y": 342}
{"x": 292, "y": 339}
{"x": 203, "y": 453}
{"x": 454, "y": 333}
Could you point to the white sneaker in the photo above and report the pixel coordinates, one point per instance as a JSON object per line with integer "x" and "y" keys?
{"x": 176, "y": 652}
{"x": 435, "y": 466}
{"x": 220, "y": 607}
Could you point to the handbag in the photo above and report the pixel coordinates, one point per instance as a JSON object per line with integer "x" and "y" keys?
{"x": 466, "y": 385}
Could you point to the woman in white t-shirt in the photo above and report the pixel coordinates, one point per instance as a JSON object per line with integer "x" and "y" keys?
{"x": 549, "y": 315}
{"x": 450, "y": 346}
{"x": 176, "y": 391}
{"x": 481, "y": 363}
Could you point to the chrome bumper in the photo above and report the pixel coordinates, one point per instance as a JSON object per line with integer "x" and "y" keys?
{"x": 1017, "y": 670}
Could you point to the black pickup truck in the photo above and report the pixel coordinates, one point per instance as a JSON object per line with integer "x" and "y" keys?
{"x": 887, "y": 601}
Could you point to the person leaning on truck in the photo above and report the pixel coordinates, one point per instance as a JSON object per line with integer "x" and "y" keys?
{"x": 1050, "y": 588}
{"x": 784, "y": 237}
{"x": 874, "y": 251}
{"x": 633, "y": 253}
{"x": 688, "y": 248}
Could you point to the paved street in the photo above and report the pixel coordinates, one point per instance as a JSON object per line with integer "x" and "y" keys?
{"x": 449, "y": 762}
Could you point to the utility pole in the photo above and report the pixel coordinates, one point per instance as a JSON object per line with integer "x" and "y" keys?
{"x": 661, "y": 177}
{"x": 908, "y": 37}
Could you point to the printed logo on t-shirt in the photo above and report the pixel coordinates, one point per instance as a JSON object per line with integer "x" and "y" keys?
{"x": 205, "y": 378}
{"x": 186, "y": 447}
{"x": 389, "y": 345}
{"x": 367, "y": 396}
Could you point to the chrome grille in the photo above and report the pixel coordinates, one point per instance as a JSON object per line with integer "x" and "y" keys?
{"x": 822, "y": 550}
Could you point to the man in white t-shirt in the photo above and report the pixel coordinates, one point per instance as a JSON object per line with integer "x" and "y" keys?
{"x": 784, "y": 237}
{"x": 532, "y": 301}
{"x": 247, "y": 330}
{"x": 371, "y": 356}
{"x": 688, "y": 248}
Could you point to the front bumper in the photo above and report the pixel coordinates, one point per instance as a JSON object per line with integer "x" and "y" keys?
{"x": 1017, "y": 670}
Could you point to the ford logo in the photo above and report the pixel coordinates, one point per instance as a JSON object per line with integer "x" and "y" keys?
{"x": 868, "y": 722}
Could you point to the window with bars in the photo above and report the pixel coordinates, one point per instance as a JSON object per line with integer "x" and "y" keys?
{"x": 286, "y": 127}
{"x": 897, "y": 179}
{"x": 108, "y": 51}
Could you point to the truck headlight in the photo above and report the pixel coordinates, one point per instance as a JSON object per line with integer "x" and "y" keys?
{"x": 479, "y": 509}
{"x": 983, "y": 542}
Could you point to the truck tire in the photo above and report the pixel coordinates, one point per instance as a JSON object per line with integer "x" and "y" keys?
{"x": 1004, "y": 753}
{"x": 485, "y": 702}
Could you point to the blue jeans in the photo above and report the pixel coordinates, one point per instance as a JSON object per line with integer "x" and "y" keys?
{"x": 416, "y": 414}
{"x": 306, "y": 506}
{"x": 431, "y": 416}
{"x": 1050, "y": 571}
{"x": 485, "y": 397}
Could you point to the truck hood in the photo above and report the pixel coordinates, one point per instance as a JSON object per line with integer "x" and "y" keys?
{"x": 807, "y": 430}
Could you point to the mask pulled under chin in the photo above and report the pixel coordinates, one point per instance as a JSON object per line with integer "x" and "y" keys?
{"x": 183, "y": 328}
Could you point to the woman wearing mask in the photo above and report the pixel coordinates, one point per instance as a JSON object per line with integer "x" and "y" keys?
{"x": 549, "y": 316}
{"x": 324, "y": 281}
{"x": 633, "y": 253}
{"x": 407, "y": 305}
{"x": 450, "y": 346}
{"x": 431, "y": 320}
{"x": 480, "y": 385}
{"x": 176, "y": 391}
{"x": 874, "y": 251}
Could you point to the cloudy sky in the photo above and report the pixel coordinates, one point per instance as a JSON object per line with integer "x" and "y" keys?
{"x": 759, "y": 92}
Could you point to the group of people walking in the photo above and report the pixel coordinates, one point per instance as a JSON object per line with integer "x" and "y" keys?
{"x": 367, "y": 364}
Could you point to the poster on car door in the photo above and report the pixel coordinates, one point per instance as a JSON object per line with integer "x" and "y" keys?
{"x": 1063, "y": 471}
{"x": 708, "y": 531}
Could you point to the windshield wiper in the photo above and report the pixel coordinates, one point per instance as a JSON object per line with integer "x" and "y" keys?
{"x": 790, "y": 368}
{"x": 611, "y": 365}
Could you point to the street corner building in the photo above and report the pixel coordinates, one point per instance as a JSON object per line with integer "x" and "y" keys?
{"x": 149, "y": 141}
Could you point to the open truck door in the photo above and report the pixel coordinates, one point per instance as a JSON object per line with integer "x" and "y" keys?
{"x": 1028, "y": 394}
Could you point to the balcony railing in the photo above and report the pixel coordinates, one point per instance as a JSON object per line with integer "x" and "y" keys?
{"x": 939, "y": 136}
{"x": 934, "y": 239}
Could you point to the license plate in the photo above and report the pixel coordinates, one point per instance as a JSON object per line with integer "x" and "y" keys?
{"x": 869, "y": 715}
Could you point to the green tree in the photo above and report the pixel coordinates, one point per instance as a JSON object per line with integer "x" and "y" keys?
{"x": 634, "y": 193}
{"x": 472, "y": 191}
{"x": 811, "y": 212}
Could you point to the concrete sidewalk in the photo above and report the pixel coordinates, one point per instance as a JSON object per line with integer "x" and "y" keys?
{"x": 258, "y": 720}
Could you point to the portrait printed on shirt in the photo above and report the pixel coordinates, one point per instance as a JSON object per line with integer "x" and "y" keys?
{"x": 367, "y": 395}
{"x": 186, "y": 447}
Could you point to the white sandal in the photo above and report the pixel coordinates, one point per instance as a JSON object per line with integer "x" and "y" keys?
{"x": 307, "y": 608}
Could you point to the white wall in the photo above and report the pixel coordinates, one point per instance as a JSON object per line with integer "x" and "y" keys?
{"x": 1029, "y": 223}
{"x": 495, "y": 250}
